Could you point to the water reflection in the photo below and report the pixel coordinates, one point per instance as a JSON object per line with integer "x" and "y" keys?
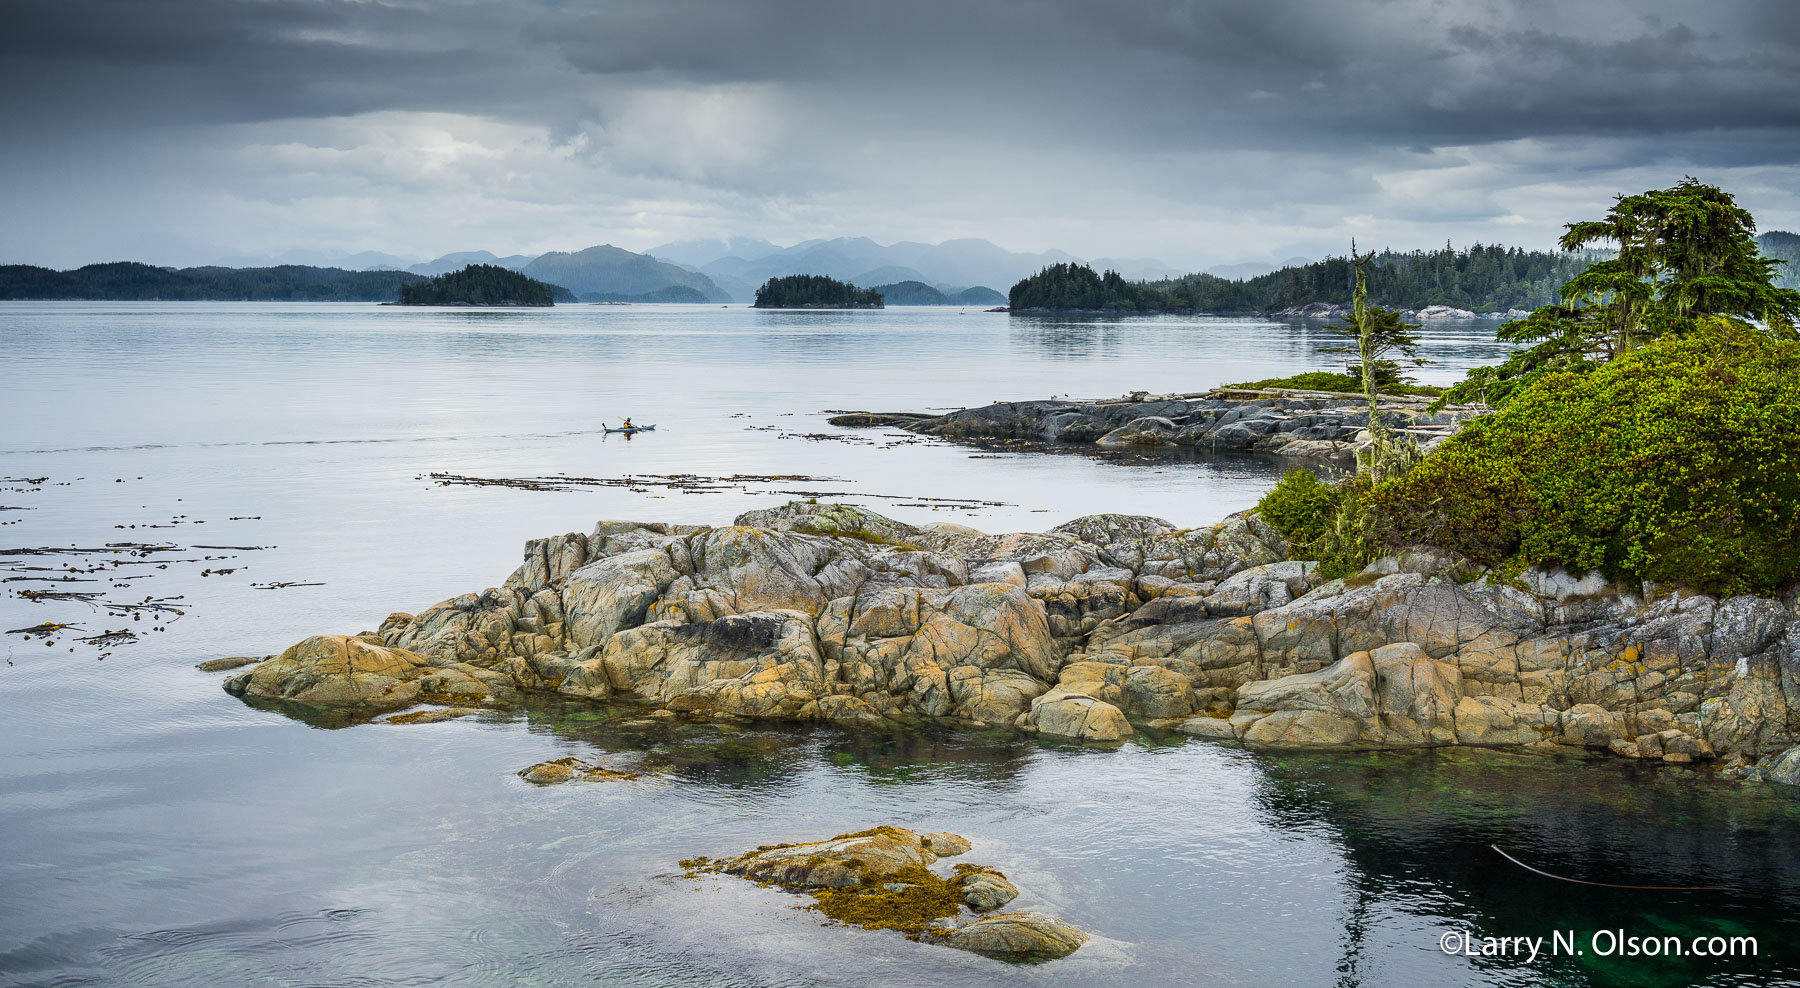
{"x": 755, "y": 754}
{"x": 1417, "y": 829}
{"x": 1066, "y": 338}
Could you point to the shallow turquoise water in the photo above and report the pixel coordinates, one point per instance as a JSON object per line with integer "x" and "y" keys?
{"x": 161, "y": 832}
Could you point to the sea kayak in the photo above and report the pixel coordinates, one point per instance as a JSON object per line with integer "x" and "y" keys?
{"x": 635, "y": 428}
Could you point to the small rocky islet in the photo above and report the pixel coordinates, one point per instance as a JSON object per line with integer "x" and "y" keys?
{"x": 881, "y": 879}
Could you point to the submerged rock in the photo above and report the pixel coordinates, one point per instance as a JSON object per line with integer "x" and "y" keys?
{"x": 1078, "y": 632}
{"x": 432, "y": 715}
{"x": 221, "y": 665}
{"x": 880, "y": 879}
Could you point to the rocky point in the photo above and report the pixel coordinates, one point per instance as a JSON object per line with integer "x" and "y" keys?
{"x": 1109, "y": 623}
{"x": 1277, "y": 421}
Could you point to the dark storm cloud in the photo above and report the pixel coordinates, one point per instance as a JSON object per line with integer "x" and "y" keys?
{"x": 1428, "y": 73}
{"x": 1292, "y": 110}
{"x": 79, "y": 64}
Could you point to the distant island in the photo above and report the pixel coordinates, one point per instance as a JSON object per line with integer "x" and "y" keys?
{"x": 815, "y": 291}
{"x": 1481, "y": 279}
{"x": 482, "y": 285}
{"x": 919, "y": 293}
{"x": 1485, "y": 279}
{"x": 130, "y": 281}
{"x": 1078, "y": 288}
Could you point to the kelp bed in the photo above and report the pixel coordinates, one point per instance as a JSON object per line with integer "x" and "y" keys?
{"x": 50, "y": 571}
{"x": 689, "y": 483}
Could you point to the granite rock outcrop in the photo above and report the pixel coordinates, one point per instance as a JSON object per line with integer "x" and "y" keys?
{"x": 1088, "y": 631}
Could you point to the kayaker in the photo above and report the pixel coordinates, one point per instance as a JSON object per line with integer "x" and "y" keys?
{"x": 628, "y": 424}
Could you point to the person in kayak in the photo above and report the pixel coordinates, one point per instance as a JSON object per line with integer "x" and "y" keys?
{"x": 628, "y": 425}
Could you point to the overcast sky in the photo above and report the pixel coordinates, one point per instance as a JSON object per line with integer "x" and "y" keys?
{"x": 178, "y": 131}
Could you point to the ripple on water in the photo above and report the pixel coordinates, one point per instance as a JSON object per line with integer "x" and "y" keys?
{"x": 340, "y": 946}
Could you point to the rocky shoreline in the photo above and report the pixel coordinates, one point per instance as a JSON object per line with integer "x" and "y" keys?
{"x": 1089, "y": 631}
{"x": 1430, "y": 313}
{"x": 1278, "y": 421}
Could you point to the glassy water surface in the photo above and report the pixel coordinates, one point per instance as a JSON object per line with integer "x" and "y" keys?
{"x": 160, "y": 832}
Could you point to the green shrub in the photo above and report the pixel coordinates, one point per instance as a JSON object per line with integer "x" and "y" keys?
{"x": 1301, "y": 507}
{"x": 1678, "y": 462}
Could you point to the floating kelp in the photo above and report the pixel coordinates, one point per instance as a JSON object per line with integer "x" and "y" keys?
{"x": 636, "y": 482}
{"x": 689, "y": 483}
{"x": 105, "y": 563}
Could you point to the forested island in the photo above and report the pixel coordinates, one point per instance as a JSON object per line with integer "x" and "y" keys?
{"x": 483, "y": 284}
{"x": 1079, "y": 288}
{"x": 1481, "y": 279}
{"x": 130, "y": 281}
{"x": 814, "y": 291}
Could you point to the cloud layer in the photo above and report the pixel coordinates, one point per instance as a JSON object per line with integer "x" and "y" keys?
{"x": 1200, "y": 132}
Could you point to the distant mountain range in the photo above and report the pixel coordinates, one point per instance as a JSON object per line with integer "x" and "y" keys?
{"x": 462, "y": 259}
{"x": 1248, "y": 269}
{"x": 613, "y": 274}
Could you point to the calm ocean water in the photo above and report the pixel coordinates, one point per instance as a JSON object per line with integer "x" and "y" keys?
{"x": 159, "y": 832}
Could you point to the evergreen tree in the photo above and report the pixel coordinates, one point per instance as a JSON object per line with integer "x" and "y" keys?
{"x": 1684, "y": 254}
{"x": 1373, "y": 334}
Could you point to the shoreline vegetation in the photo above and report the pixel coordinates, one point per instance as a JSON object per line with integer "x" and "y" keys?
{"x": 811, "y": 291}
{"x": 1645, "y": 427}
{"x": 1332, "y": 382}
